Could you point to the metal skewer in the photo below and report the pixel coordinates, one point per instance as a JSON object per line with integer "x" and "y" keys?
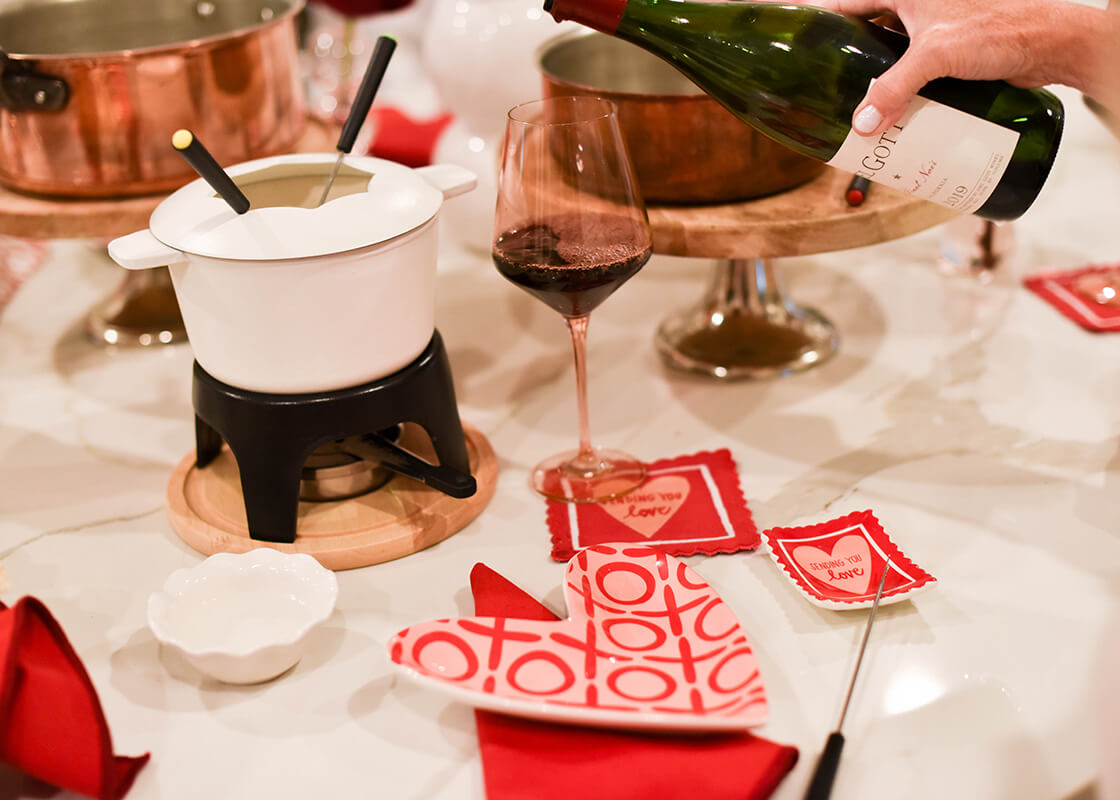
{"x": 820, "y": 787}
{"x": 375, "y": 70}
{"x": 211, "y": 171}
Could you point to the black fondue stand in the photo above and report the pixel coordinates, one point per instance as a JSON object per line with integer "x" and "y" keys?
{"x": 272, "y": 435}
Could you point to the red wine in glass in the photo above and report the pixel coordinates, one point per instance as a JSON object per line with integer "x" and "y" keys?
{"x": 571, "y": 278}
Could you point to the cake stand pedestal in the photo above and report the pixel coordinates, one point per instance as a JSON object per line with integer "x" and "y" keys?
{"x": 142, "y": 310}
{"x": 744, "y": 325}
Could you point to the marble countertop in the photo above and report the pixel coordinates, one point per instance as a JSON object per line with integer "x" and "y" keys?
{"x": 978, "y": 424}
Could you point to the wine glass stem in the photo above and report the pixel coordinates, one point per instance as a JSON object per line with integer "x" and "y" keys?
{"x": 577, "y": 326}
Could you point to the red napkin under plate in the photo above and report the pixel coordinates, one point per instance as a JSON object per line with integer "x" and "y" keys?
{"x": 523, "y": 758}
{"x": 51, "y": 722}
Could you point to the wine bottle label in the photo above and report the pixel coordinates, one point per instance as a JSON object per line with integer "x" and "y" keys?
{"x": 935, "y": 152}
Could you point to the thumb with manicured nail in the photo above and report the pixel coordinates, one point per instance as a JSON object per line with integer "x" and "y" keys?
{"x": 891, "y": 94}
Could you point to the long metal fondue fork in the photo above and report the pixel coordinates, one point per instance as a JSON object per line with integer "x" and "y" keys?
{"x": 375, "y": 70}
{"x": 821, "y": 785}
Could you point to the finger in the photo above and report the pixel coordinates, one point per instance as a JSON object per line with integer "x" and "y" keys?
{"x": 889, "y": 21}
{"x": 860, "y": 8}
{"x": 890, "y": 95}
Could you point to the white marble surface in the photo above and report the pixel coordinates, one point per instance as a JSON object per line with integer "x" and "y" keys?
{"x": 980, "y": 425}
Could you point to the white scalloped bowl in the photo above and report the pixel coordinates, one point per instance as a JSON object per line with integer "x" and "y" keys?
{"x": 243, "y": 617}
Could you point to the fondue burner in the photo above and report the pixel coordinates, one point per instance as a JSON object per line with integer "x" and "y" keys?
{"x": 337, "y": 471}
{"x": 272, "y": 435}
{"x": 372, "y": 486}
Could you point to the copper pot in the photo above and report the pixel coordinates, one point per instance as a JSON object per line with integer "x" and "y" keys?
{"x": 92, "y": 90}
{"x": 686, "y": 147}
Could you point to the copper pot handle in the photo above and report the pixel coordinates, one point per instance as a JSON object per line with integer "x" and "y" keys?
{"x": 24, "y": 89}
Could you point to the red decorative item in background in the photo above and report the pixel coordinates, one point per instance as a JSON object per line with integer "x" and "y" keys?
{"x": 362, "y": 8}
{"x": 51, "y": 723}
{"x": 19, "y": 259}
{"x": 1072, "y": 292}
{"x": 689, "y": 504}
{"x": 524, "y": 758}
{"x": 398, "y": 137}
{"x": 838, "y": 564}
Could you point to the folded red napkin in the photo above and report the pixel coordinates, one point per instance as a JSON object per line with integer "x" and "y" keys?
{"x": 398, "y": 137}
{"x": 523, "y": 758}
{"x": 51, "y": 723}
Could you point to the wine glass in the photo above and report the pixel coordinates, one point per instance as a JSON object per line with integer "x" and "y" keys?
{"x": 569, "y": 229}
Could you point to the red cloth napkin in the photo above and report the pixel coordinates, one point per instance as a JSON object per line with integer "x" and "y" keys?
{"x": 688, "y": 504}
{"x": 523, "y": 758}
{"x": 51, "y": 723}
{"x": 398, "y": 137}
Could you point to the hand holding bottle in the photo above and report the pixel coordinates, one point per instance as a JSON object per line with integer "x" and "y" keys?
{"x": 1028, "y": 43}
{"x": 801, "y": 74}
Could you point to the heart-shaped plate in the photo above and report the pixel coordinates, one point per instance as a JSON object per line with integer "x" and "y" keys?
{"x": 647, "y": 644}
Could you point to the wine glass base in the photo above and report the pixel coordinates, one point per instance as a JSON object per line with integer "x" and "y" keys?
{"x": 745, "y": 328}
{"x": 560, "y": 478}
{"x": 737, "y": 344}
{"x": 141, "y": 312}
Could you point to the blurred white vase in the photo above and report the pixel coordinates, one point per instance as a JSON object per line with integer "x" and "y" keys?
{"x": 481, "y": 56}
{"x": 469, "y": 218}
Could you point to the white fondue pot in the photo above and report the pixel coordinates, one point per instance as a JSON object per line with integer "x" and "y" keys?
{"x": 289, "y": 299}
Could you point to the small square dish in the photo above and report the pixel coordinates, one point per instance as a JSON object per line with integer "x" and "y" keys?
{"x": 838, "y": 564}
{"x": 246, "y": 617}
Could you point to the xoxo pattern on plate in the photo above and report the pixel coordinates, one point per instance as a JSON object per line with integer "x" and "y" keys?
{"x": 646, "y": 636}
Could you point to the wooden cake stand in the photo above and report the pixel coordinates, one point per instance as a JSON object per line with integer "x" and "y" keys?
{"x": 207, "y": 510}
{"x": 744, "y": 327}
{"x": 142, "y": 310}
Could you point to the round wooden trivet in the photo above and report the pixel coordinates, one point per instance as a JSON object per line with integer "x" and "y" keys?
{"x": 207, "y": 510}
{"x": 811, "y": 218}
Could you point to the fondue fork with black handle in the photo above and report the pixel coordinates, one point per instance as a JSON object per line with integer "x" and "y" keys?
{"x": 821, "y": 785}
{"x": 371, "y": 81}
{"x": 191, "y": 149}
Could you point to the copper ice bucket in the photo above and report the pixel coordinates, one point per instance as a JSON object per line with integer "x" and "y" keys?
{"x": 92, "y": 90}
{"x": 686, "y": 147}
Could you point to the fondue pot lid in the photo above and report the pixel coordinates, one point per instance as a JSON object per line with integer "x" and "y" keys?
{"x": 386, "y": 200}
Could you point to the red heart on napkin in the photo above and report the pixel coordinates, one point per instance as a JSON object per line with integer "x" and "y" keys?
{"x": 847, "y": 567}
{"x": 51, "y": 723}
{"x": 649, "y": 507}
{"x": 647, "y": 642}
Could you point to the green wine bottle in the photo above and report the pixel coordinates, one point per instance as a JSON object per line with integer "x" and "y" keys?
{"x": 796, "y": 73}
